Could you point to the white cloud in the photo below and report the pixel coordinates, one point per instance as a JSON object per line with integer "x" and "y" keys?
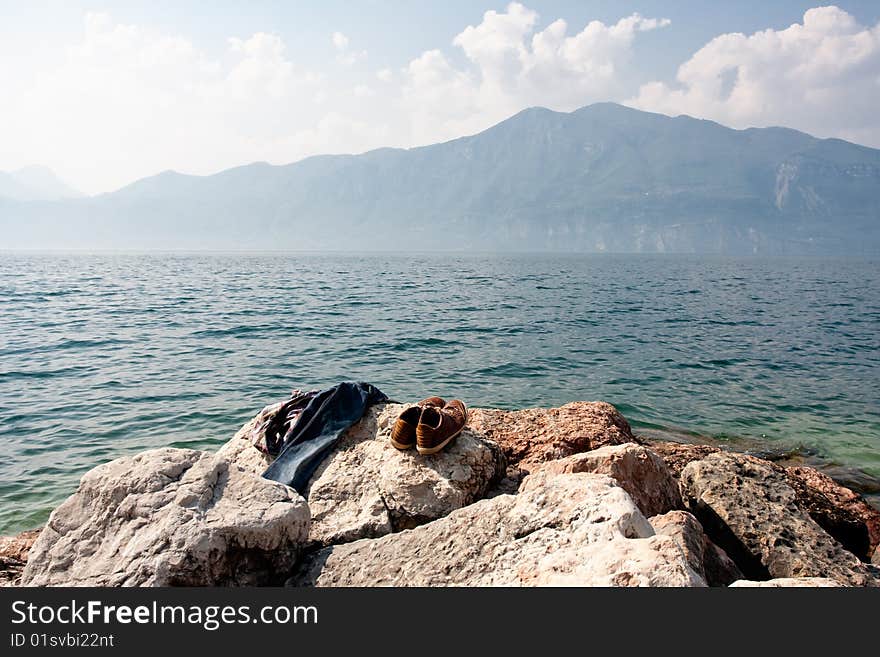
{"x": 440, "y": 101}
{"x": 512, "y": 66}
{"x": 125, "y": 102}
{"x": 346, "y": 56}
{"x": 333, "y": 132}
{"x": 340, "y": 41}
{"x": 351, "y": 57}
{"x": 821, "y": 76}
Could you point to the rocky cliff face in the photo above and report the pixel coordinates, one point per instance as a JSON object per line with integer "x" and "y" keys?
{"x": 565, "y": 496}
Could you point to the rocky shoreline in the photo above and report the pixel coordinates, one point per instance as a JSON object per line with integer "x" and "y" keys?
{"x": 562, "y": 496}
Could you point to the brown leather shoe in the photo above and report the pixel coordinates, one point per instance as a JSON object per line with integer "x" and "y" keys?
{"x": 438, "y": 426}
{"x": 403, "y": 434}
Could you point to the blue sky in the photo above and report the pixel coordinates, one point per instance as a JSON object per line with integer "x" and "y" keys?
{"x": 396, "y": 30}
{"x": 108, "y": 92}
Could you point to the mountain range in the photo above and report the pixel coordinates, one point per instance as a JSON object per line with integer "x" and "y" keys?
{"x": 34, "y": 183}
{"x": 604, "y": 178}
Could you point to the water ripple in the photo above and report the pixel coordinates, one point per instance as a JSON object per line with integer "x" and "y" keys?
{"x": 107, "y": 355}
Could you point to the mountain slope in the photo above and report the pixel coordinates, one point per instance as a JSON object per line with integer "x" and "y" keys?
{"x": 34, "y": 183}
{"x": 602, "y": 178}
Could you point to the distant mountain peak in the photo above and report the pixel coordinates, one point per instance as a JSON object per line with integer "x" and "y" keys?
{"x": 35, "y": 183}
{"x": 608, "y": 105}
{"x": 35, "y": 169}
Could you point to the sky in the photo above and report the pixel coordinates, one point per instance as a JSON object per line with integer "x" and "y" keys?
{"x": 105, "y": 93}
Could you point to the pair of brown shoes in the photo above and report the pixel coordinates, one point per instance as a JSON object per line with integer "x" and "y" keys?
{"x": 430, "y": 425}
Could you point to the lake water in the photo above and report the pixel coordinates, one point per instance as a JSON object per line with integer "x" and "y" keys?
{"x": 109, "y": 354}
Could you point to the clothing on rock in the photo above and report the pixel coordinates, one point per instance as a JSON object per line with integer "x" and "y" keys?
{"x": 309, "y": 425}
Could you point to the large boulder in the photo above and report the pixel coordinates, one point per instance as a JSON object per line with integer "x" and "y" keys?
{"x": 705, "y": 558}
{"x": 841, "y": 512}
{"x": 170, "y": 517}
{"x": 367, "y": 488}
{"x": 536, "y": 435}
{"x": 577, "y": 529}
{"x": 14, "y": 555}
{"x": 678, "y": 455}
{"x": 639, "y": 471}
{"x": 788, "y": 582}
{"x": 748, "y": 508}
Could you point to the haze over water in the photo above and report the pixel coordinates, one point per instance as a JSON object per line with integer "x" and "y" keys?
{"x": 108, "y": 354}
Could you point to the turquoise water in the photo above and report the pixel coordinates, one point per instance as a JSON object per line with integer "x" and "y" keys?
{"x": 106, "y": 355}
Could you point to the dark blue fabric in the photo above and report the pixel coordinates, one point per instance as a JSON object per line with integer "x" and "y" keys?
{"x": 277, "y": 431}
{"x": 317, "y": 430}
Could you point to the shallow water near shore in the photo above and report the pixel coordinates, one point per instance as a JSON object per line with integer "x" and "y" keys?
{"x": 104, "y": 355}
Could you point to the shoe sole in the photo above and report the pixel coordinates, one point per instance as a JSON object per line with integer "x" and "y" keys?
{"x": 401, "y": 446}
{"x": 434, "y": 450}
